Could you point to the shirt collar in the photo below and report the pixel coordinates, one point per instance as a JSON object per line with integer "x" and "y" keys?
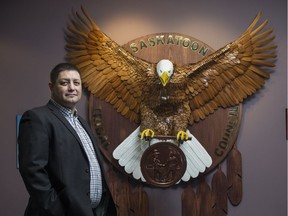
{"x": 66, "y": 111}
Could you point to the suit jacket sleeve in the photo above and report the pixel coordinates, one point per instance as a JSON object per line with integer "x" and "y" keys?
{"x": 33, "y": 158}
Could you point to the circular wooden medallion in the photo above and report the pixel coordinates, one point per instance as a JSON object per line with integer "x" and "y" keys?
{"x": 163, "y": 164}
{"x": 217, "y": 132}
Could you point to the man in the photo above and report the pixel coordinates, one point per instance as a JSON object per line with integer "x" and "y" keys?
{"x": 58, "y": 159}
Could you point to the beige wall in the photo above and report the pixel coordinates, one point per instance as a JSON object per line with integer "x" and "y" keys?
{"x": 32, "y": 42}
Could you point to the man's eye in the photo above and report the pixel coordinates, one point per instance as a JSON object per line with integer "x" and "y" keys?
{"x": 64, "y": 83}
{"x": 77, "y": 83}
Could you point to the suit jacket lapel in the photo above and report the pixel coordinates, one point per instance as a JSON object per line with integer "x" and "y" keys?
{"x": 61, "y": 117}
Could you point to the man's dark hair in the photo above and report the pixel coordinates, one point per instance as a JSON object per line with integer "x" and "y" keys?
{"x": 59, "y": 68}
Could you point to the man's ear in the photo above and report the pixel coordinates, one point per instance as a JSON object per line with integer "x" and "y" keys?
{"x": 50, "y": 86}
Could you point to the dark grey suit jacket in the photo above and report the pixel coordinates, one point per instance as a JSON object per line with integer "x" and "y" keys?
{"x": 54, "y": 165}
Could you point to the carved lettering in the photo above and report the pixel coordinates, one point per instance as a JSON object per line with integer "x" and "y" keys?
{"x": 186, "y": 42}
{"x": 177, "y": 40}
{"x": 203, "y": 50}
{"x": 195, "y": 46}
{"x": 160, "y": 39}
{"x": 218, "y": 152}
{"x": 229, "y": 131}
{"x": 170, "y": 40}
{"x": 134, "y": 47}
{"x": 151, "y": 41}
{"x": 142, "y": 44}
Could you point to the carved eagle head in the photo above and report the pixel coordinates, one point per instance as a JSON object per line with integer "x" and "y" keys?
{"x": 165, "y": 71}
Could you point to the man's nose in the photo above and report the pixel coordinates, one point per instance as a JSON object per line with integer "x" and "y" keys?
{"x": 71, "y": 86}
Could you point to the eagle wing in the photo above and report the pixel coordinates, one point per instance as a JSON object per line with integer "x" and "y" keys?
{"x": 107, "y": 70}
{"x": 228, "y": 76}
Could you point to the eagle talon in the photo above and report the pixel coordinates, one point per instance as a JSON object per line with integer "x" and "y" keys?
{"x": 147, "y": 135}
{"x": 182, "y": 137}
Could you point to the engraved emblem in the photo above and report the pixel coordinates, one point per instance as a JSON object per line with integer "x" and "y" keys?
{"x": 163, "y": 164}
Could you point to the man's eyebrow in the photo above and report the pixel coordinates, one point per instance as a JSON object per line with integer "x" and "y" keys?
{"x": 70, "y": 79}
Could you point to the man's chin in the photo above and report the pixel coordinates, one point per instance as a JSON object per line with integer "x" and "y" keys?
{"x": 71, "y": 103}
{"x": 72, "y": 99}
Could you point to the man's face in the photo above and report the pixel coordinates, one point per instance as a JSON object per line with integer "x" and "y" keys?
{"x": 67, "y": 89}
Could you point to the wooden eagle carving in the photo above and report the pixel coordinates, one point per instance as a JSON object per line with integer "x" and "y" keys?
{"x": 165, "y": 98}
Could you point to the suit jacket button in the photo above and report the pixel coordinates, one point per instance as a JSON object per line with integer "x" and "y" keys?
{"x": 87, "y": 170}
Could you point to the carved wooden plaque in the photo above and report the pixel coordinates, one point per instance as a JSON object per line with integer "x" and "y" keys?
{"x": 217, "y": 133}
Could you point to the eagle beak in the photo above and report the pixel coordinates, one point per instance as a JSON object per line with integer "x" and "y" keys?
{"x": 164, "y": 78}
